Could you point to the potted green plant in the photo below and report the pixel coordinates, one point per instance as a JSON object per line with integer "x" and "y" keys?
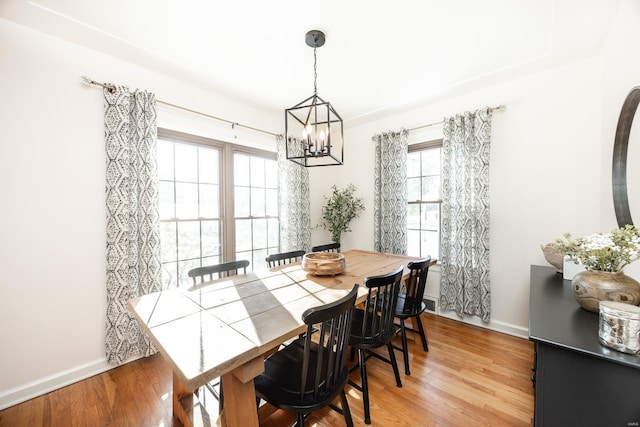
{"x": 341, "y": 207}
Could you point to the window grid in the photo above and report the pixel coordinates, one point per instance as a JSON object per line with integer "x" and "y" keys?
{"x": 197, "y": 194}
{"x": 424, "y": 184}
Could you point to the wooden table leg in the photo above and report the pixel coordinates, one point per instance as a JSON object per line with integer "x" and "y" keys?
{"x": 240, "y": 395}
{"x": 187, "y": 407}
{"x": 182, "y": 402}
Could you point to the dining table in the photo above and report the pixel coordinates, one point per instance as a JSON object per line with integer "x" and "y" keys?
{"x": 225, "y": 327}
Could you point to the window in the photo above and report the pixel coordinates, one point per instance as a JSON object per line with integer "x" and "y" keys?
{"x": 256, "y": 207}
{"x": 424, "y": 184}
{"x": 202, "y": 182}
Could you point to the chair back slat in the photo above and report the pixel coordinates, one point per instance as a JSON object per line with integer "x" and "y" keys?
{"x": 411, "y": 296}
{"x": 379, "y": 308}
{"x": 221, "y": 270}
{"x": 330, "y": 247}
{"x": 274, "y": 260}
{"x": 327, "y": 335}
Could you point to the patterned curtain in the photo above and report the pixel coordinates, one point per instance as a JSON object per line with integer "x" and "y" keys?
{"x": 133, "y": 227}
{"x": 465, "y": 285}
{"x": 390, "y": 199}
{"x": 295, "y": 206}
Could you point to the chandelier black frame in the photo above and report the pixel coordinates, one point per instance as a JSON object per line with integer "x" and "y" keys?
{"x": 314, "y": 132}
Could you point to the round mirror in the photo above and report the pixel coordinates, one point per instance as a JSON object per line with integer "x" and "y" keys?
{"x": 620, "y": 149}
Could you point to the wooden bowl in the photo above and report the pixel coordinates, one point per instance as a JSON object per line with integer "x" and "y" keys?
{"x": 323, "y": 263}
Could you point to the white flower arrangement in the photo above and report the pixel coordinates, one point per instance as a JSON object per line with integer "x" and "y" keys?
{"x": 604, "y": 252}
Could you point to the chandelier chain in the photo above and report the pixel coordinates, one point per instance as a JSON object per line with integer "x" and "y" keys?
{"x": 315, "y": 72}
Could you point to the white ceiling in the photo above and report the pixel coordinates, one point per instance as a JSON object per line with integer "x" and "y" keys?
{"x": 380, "y": 56}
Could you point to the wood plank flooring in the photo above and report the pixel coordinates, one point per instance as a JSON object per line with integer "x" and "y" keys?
{"x": 470, "y": 376}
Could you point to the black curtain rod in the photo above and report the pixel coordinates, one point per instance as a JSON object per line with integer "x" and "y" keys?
{"x": 87, "y": 81}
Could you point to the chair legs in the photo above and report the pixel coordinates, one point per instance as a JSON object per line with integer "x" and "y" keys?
{"x": 364, "y": 386}
{"x": 405, "y": 349}
{"x": 345, "y": 409}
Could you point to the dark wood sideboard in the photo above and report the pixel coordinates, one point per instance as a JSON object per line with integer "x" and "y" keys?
{"x": 578, "y": 381}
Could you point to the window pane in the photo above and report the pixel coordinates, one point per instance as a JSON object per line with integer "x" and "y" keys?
{"x": 209, "y": 201}
{"x": 168, "y": 251}
{"x": 271, "y": 174}
{"x": 413, "y": 189}
{"x": 165, "y": 160}
{"x": 431, "y": 188}
{"x": 257, "y": 202}
{"x": 188, "y": 240}
{"x": 242, "y": 202}
{"x": 413, "y": 243}
{"x": 210, "y": 238}
{"x": 413, "y": 164}
{"x": 430, "y": 244}
{"x": 272, "y": 202}
{"x": 186, "y": 162}
{"x": 245, "y": 255}
{"x": 183, "y": 271}
{"x": 413, "y": 216}
{"x": 259, "y": 233}
{"x": 431, "y": 161}
{"x": 241, "y": 170}
{"x": 243, "y": 235}
{"x": 258, "y": 259}
{"x": 273, "y": 238}
{"x": 431, "y": 217}
{"x": 167, "y": 201}
{"x": 208, "y": 162}
{"x": 169, "y": 275}
{"x": 257, "y": 172}
{"x": 186, "y": 200}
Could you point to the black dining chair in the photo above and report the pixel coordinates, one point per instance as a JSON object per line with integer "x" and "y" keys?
{"x": 372, "y": 327}
{"x": 411, "y": 305}
{"x": 225, "y": 269}
{"x": 312, "y": 371}
{"x": 275, "y": 260}
{"x": 329, "y": 247}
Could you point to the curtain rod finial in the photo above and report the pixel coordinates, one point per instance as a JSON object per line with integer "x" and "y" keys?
{"x": 85, "y": 80}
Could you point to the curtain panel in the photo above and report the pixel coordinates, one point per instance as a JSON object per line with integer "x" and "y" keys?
{"x": 465, "y": 285}
{"x": 133, "y": 220}
{"x": 293, "y": 201}
{"x": 390, "y": 195}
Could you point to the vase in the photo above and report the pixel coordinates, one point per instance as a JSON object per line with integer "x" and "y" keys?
{"x": 592, "y": 286}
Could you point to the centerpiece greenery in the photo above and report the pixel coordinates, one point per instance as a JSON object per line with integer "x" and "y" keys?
{"x": 341, "y": 207}
{"x": 603, "y": 252}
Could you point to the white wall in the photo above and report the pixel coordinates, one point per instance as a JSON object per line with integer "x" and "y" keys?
{"x": 52, "y": 215}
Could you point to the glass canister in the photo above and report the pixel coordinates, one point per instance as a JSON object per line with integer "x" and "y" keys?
{"x": 619, "y": 326}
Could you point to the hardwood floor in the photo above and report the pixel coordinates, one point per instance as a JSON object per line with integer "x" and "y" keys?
{"x": 470, "y": 376}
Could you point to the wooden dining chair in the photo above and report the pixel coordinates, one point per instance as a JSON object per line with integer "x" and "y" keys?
{"x": 330, "y": 247}
{"x": 275, "y": 260}
{"x": 411, "y": 304}
{"x": 372, "y": 327}
{"x": 308, "y": 374}
{"x": 225, "y": 269}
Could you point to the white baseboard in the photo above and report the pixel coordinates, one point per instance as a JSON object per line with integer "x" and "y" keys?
{"x": 493, "y": 325}
{"x": 53, "y": 382}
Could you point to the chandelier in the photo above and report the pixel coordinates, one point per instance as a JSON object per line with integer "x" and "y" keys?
{"x": 313, "y": 129}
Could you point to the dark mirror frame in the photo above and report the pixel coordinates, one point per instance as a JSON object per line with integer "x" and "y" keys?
{"x": 620, "y": 146}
